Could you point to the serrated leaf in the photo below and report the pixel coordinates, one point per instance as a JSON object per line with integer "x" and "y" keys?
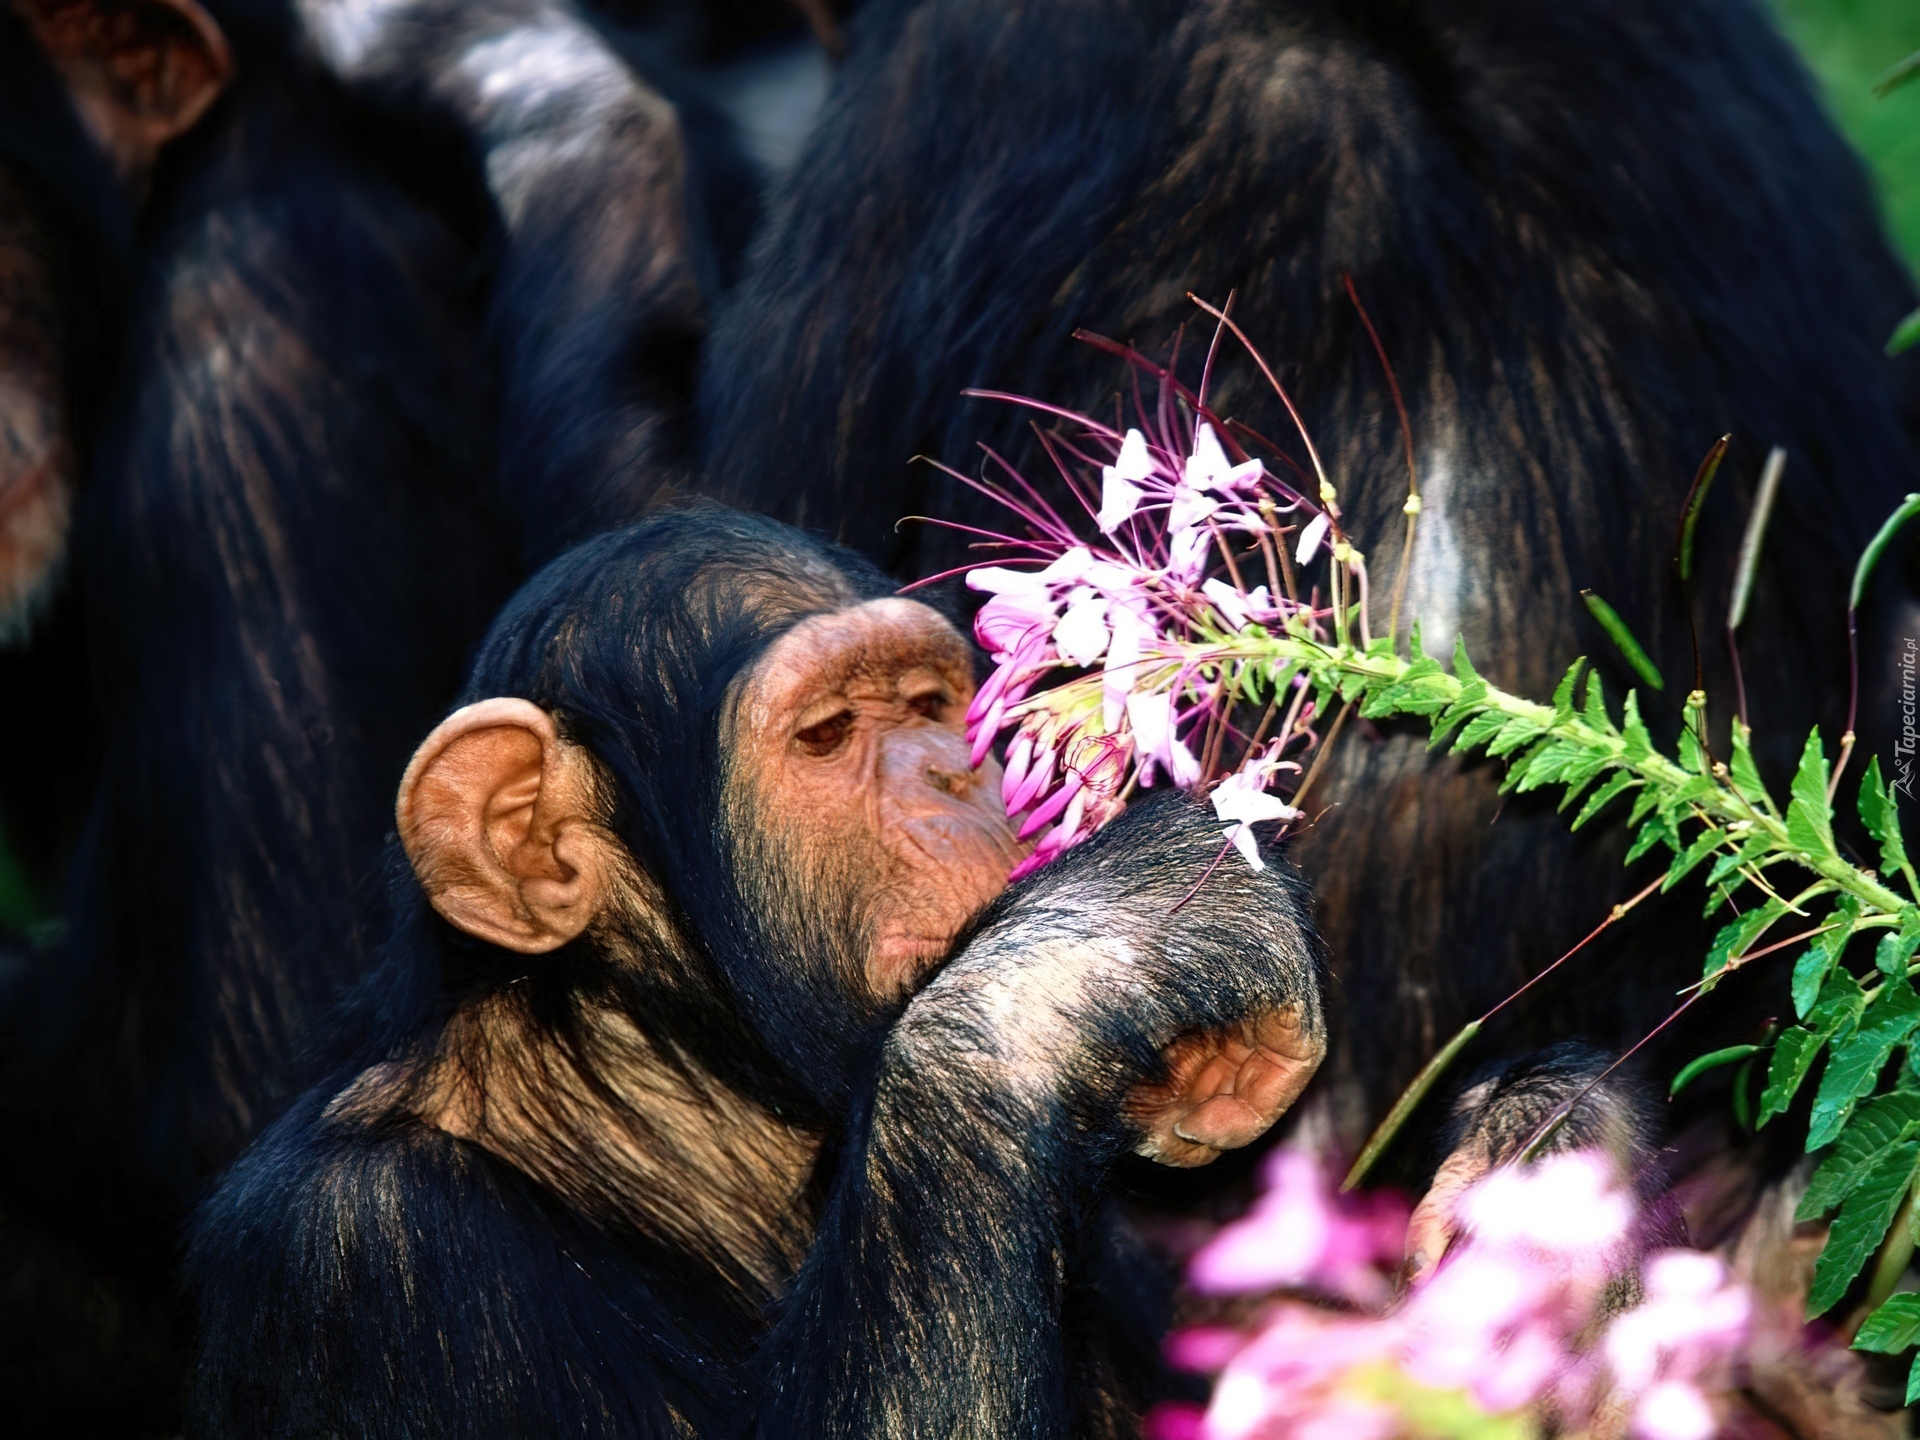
{"x": 1482, "y": 728}
{"x": 1623, "y": 638}
{"x": 1351, "y": 685}
{"x": 1913, "y": 1375}
{"x": 1657, "y": 831}
{"x": 1860, "y": 1227}
{"x": 1810, "y": 971}
{"x": 1594, "y": 711}
{"x": 1415, "y": 650}
{"x": 1839, "y": 1007}
{"x": 1563, "y": 692}
{"x": 1891, "y": 1328}
{"x": 1462, "y": 667}
{"x": 1873, "y": 801}
{"x": 1676, "y": 803}
{"x": 1736, "y": 935}
{"x": 1744, "y": 773}
{"x": 1857, "y": 1061}
{"x": 1691, "y": 756}
{"x": 1689, "y": 859}
{"x": 1518, "y": 731}
{"x": 1809, "y": 817}
{"x": 1895, "y": 949}
{"x": 1604, "y": 796}
{"x": 1645, "y": 801}
{"x": 1756, "y": 848}
{"x": 1793, "y": 1056}
{"x": 1882, "y": 1123}
{"x": 1634, "y": 730}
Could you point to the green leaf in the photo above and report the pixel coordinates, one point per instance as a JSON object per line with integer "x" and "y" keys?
{"x": 1839, "y": 1007}
{"x": 1860, "y": 1226}
{"x": 1874, "y": 810}
{"x": 1736, "y": 935}
{"x": 1793, "y": 1056}
{"x": 1657, "y": 831}
{"x": 1889, "y": 82}
{"x": 1623, "y": 638}
{"x": 1518, "y": 731}
{"x": 1689, "y": 859}
{"x": 1913, "y": 1375}
{"x": 1622, "y": 780}
{"x": 1746, "y": 775}
{"x": 1700, "y": 1065}
{"x": 1563, "y": 692}
{"x": 1594, "y": 711}
{"x": 1691, "y": 756}
{"x": 1809, "y": 817}
{"x": 1857, "y": 1061}
{"x": 1882, "y": 1123}
{"x": 1676, "y": 803}
{"x": 1896, "y": 948}
{"x": 1756, "y": 848}
{"x": 1639, "y": 743}
{"x": 1482, "y": 728}
{"x": 1463, "y": 670}
{"x": 1811, "y": 969}
{"x": 1880, "y": 812}
{"x": 1891, "y": 1328}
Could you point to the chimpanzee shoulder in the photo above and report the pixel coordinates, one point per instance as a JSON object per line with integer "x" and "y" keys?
{"x": 362, "y": 1277}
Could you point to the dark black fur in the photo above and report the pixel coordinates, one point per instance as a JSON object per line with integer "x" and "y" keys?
{"x": 309, "y": 492}
{"x": 361, "y": 1274}
{"x": 1594, "y": 235}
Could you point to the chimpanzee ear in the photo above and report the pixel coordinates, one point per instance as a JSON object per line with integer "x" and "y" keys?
{"x": 496, "y": 814}
{"x": 139, "y": 72}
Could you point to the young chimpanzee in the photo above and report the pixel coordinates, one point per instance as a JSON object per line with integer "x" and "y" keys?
{"x": 658, "y": 1124}
{"x": 1593, "y": 235}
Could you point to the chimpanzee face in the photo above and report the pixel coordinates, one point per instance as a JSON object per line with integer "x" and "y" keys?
{"x": 849, "y": 747}
{"x": 847, "y": 790}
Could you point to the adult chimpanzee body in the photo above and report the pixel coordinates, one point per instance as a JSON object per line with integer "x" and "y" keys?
{"x": 654, "y": 1127}
{"x": 1594, "y": 236}
{"x": 312, "y": 483}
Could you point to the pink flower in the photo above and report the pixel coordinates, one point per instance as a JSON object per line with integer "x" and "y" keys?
{"x": 1674, "y": 1411}
{"x": 1301, "y": 1232}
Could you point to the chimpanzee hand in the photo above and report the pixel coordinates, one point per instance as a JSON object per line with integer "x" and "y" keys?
{"x": 1501, "y": 1111}
{"x": 1092, "y": 1000}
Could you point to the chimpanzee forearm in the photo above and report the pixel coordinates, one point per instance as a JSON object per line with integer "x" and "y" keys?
{"x": 598, "y": 304}
{"x": 931, "y": 1300}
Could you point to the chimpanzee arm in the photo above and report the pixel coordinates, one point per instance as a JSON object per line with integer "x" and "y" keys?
{"x": 931, "y": 1301}
{"x": 598, "y": 305}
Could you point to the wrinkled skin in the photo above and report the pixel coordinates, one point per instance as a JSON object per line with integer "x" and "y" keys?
{"x": 852, "y": 727}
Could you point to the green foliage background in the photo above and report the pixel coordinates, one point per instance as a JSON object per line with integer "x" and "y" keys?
{"x": 1849, "y": 44}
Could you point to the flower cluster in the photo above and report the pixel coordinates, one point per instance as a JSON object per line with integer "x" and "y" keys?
{"x": 1503, "y": 1330}
{"x": 1144, "y": 610}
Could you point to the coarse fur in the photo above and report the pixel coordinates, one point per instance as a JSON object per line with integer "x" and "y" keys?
{"x": 1594, "y": 236}
{"x": 295, "y": 524}
{"x": 677, "y": 1177}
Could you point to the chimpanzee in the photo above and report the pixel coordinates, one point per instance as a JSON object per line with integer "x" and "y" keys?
{"x": 311, "y": 485}
{"x": 1593, "y": 236}
{"x": 678, "y": 1108}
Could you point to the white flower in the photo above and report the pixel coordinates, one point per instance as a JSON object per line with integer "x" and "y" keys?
{"x": 1243, "y": 796}
{"x": 1133, "y": 462}
{"x": 1190, "y": 508}
{"x": 1125, "y": 648}
{"x": 1151, "y": 717}
{"x": 1081, "y": 634}
{"x": 1234, "y": 607}
{"x": 998, "y": 580}
{"x": 1674, "y": 1410}
{"x": 1119, "y": 498}
{"x": 1208, "y": 463}
{"x": 1187, "y": 555}
{"x": 1311, "y": 537}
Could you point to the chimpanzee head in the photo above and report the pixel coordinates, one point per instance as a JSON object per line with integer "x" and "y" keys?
{"x": 714, "y": 759}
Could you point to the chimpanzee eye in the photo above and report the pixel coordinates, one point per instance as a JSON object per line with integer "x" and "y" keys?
{"x": 929, "y": 705}
{"x": 829, "y": 735}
